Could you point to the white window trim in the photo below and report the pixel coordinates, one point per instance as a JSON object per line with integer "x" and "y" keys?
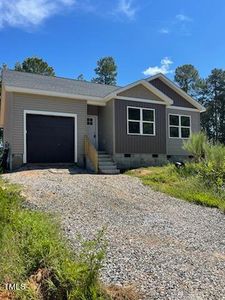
{"x": 47, "y": 113}
{"x": 141, "y": 121}
{"x": 179, "y": 126}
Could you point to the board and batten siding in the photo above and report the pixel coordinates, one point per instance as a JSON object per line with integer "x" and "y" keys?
{"x": 106, "y": 127}
{"x": 178, "y": 100}
{"x": 21, "y": 102}
{"x": 130, "y": 144}
{"x": 175, "y": 145}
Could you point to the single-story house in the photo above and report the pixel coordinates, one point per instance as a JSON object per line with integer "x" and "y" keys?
{"x": 57, "y": 120}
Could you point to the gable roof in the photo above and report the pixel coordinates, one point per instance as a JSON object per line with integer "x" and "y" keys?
{"x": 76, "y": 89}
{"x": 60, "y": 85}
{"x": 177, "y": 89}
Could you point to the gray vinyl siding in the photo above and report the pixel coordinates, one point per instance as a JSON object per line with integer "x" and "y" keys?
{"x": 175, "y": 145}
{"x": 106, "y": 127}
{"x": 177, "y": 98}
{"x": 125, "y": 143}
{"x": 8, "y": 118}
{"x": 21, "y": 102}
{"x": 140, "y": 92}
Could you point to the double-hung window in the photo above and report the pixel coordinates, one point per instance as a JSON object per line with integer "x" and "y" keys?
{"x": 140, "y": 121}
{"x": 179, "y": 126}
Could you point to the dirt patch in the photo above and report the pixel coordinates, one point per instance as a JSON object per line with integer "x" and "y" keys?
{"x": 141, "y": 172}
{"x": 123, "y": 292}
{"x": 6, "y": 295}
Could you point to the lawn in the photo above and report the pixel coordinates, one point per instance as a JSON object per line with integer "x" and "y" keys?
{"x": 183, "y": 184}
{"x": 37, "y": 263}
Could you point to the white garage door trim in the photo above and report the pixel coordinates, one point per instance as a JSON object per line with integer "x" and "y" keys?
{"x": 47, "y": 113}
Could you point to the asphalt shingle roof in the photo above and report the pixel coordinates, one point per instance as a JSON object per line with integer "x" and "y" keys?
{"x": 56, "y": 84}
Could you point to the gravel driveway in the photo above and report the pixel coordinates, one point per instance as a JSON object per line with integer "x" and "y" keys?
{"x": 168, "y": 248}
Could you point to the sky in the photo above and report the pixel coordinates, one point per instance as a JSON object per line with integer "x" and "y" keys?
{"x": 143, "y": 36}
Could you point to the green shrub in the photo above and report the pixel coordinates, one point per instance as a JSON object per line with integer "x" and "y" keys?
{"x": 212, "y": 169}
{"x": 196, "y": 145}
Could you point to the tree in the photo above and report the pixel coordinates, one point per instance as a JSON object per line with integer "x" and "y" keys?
{"x": 81, "y": 77}
{"x": 214, "y": 101}
{"x": 106, "y": 71}
{"x": 187, "y": 77}
{"x": 35, "y": 65}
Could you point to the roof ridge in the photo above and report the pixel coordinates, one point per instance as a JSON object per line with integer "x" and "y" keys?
{"x": 61, "y": 77}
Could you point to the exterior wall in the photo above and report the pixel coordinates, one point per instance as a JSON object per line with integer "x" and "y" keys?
{"x": 14, "y": 125}
{"x": 92, "y": 110}
{"x": 125, "y": 143}
{"x": 174, "y": 145}
{"x": 8, "y": 120}
{"x": 141, "y": 92}
{"x": 178, "y": 100}
{"x": 106, "y": 127}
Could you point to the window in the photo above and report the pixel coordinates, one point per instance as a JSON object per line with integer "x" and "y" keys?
{"x": 179, "y": 126}
{"x": 140, "y": 121}
{"x": 89, "y": 121}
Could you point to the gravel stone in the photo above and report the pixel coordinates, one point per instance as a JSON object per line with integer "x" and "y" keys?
{"x": 167, "y": 248}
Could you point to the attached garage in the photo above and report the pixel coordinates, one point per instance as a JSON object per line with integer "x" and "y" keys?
{"x": 50, "y": 137}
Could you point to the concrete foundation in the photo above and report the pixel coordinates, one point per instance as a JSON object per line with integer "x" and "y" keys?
{"x": 130, "y": 161}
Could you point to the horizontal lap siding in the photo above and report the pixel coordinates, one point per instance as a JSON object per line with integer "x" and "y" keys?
{"x": 125, "y": 143}
{"x": 23, "y": 102}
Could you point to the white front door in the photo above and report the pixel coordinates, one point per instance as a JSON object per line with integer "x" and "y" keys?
{"x": 92, "y": 127}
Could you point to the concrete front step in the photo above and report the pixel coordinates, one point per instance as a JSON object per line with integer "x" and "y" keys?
{"x": 109, "y": 171}
{"x": 102, "y": 156}
{"x": 106, "y": 163}
{"x": 108, "y": 167}
{"x": 103, "y": 159}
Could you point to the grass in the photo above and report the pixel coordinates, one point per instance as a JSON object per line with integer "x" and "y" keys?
{"x": 36, "y": 257}
{"x": 34, "y": 254}
{"x": 183, "y": 184}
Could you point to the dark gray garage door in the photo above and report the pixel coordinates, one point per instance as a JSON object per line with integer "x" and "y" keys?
{"x": 50, "y": 139}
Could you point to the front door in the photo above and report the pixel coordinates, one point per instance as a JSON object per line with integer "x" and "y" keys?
{"x": 92, "y": 126}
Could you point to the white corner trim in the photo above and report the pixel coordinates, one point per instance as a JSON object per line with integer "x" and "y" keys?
{"x": 183, "y": 108}
{"x": 47, "y": 113}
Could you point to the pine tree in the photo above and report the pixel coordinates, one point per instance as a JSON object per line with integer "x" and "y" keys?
{"x": 35, "y": 65}
{"x": 106, "y": 71}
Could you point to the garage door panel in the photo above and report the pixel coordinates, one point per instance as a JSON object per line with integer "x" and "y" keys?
{"x": 50, "y": 139}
